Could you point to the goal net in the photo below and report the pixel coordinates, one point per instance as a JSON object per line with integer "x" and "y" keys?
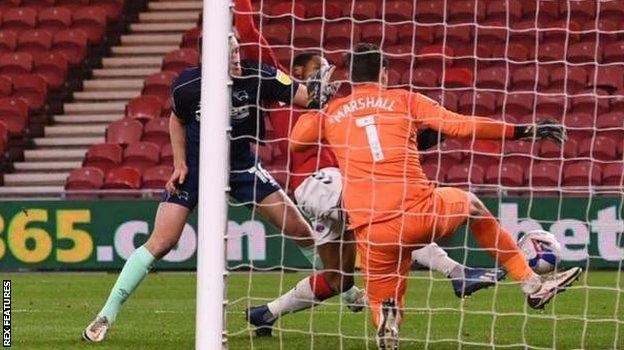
{"x": 511, "y": 60}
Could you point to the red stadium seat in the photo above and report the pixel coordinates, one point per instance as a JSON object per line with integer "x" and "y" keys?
{"x": 466, "y": 11}
{"x": 19, "y": 19}
{"x": 582, "y": 11}
{"x": 584, "y": 52}
{"x": 276, "y": 34}
{"x": 37, "y": 4}
{"x": 54, "y": 19}
{"x": 477, "y": 103}
{"x": 551, "y": 52}
{"x": 613, "y": 52}
{"x": 364, "y": 10}
{"x": 572, "y": 77}
{"x": 434, "y": 173}
{"x": 483, "y": 152}
{"x": 32, "y": 88}
{"x": 582, "y": 174}
{"x": 112, "y": 8}
{"x": 510, "y": 175}
{"x": 549, "y": 149}
{"x": 104, "y": 156}
{"x": 553, "y": 106}
{"x": 179, "y": 60}
{"x": 308, "y": 34}
{"x": 435, "y": 57}
{"x": 144, "y": 108}
{"x": 92, "y": 20}
{"x": 429, "y": 11}
{"x": 609, "y": 78}
{"x": 4, "y": 136}
{"x": 166, "y": 154}
{"x": 159, "y": 84}
{"x": 14, "y": 113}
{"x": 419, "y": 35}
{"x": 124, "y": 131}
{"x": 545, "y": 174}
{"x": 190, "y": 39}
{"x": 519, "y": 152}
{"x": 579, "y": 125}
{"x": 123, "y": 178}
{"x": 325, "y": 9}
{"x": 398, "y": 11}
{"x": 611, "y": 10}
{"x": 379, "y": 33}
{"x": 157, "y": 131}
{"x": 517, "y": 104}
{"x": 8, "y": 41}
{"x": 463, "y": 175}
{"x": 599, "y": 147}
{"x": 421, "y": 78}
{"x": 34, "y": 41}
{"x": 72, "y": 5}
{"x": 157, "y": 176}
{"x": 610, "y": 125}
{"x": 6, "y": 86}
{"x": 399, "y": 57}
{"x": 6, "y": 5}
{"x": 16, "y": 63}
{"x": 341, "y": 35}
{"x": 612, "y": 174}
{"x": 458, "y": 77}
{"x": 546, "y": 11}
{"x": 85, "y": 178}
{"x": 52, "y": 67}
{"x": 492, "y": 78}
{"x": 530, "y": 78}
{"x": 499, "y": 10}
{"x": 286, "y": 8}
{"x": 141, "y": 155}
{"x": 72, "y": 44}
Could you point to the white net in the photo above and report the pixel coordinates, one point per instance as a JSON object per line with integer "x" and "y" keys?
{"x": 515, "y": 61}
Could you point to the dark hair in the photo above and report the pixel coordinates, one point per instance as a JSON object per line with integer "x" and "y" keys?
{"x": 366, "y": 63}
{"x": 303, "y": 58}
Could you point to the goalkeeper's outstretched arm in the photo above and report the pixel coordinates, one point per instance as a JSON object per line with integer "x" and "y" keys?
{"x": 429, "y": 113}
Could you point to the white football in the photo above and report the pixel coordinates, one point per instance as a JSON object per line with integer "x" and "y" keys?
{"x": 542, "y": 250}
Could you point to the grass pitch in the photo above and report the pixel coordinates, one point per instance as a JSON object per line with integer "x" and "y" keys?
{"x": 50, "y": 311}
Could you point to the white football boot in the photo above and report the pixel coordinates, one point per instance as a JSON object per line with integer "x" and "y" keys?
{"x": 388, "y": 330}
{"x": 96, "y": 331}
{"x": 358, "y": 301}
{"x": 551, "y": 285}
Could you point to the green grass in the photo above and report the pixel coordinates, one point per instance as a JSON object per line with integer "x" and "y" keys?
{"x": 50, "y": 311}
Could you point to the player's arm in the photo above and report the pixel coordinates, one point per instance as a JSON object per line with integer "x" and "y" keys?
{"x": 307, "y": 132}
{"x": 430, "y": 113}
{"x": 177, "y": 134}
{"x": 275, "y": 85}
{"x": 256, "y": 45}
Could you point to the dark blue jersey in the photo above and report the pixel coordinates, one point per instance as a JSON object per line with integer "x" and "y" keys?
{"x": 258, "y": 85}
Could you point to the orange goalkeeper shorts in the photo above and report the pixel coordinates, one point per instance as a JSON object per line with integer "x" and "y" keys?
{"x": 385, "y": 247}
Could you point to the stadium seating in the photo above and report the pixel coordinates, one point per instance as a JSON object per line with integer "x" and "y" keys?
{"x": 124, "y": 132}
{"x": 122, "y": 178}
{"x": 85, "y": 178}
{"x": 104, "y": 156}
{"x": 144, "y": 108}
{"x": 157, "y": 131}
{"x": 156, "y": 177}
{"x": 141, "y": 155}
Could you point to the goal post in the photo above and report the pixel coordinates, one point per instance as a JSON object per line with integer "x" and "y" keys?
{"x": 213, "y": 176}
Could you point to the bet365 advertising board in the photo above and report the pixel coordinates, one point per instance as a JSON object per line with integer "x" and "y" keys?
{"x": 100, "y": 235}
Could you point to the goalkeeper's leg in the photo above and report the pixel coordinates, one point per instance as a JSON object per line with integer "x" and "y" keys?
{"x": 168, "y": 225}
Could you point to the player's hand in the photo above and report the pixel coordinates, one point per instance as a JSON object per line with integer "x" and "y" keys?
{"x": 429, "y": 138}
{"x": 177, "y": 178}
{"x": 548, "y": 129}
{"x": 320, "y": 89}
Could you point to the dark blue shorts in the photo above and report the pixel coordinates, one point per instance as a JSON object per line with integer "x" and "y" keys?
{"x": 249, "y": 183}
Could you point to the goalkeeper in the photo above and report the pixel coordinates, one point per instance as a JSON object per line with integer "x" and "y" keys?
{"x": 250, "y": 184}
{"x": 316, "y": 184}
{"x": 392, "y": 207}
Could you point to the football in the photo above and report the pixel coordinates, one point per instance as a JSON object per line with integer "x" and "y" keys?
{"x": 542, "y": 250}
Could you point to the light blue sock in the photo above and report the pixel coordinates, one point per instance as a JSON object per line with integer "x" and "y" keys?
{"x": 137, "y": 266}
{"x": 311, "y": 254}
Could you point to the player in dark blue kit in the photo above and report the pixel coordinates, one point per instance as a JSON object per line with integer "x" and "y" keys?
{"x": 250, "y": 184}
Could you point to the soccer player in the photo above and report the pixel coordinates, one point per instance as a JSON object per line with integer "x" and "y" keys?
{"x": 392, "y": 207}
{"x": 250, "y": 184}
{"x": 316, "y": 184}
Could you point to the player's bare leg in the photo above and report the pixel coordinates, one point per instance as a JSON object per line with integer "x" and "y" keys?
{"x": 278, "y": 209}
{"x": 168, "y": 225}
{"x": 539, "y": 290}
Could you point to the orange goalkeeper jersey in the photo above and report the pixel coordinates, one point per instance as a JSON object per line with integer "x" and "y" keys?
{"x": 373, "y": 134}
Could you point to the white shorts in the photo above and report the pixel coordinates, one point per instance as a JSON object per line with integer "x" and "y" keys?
{"x": 319, "y": 197}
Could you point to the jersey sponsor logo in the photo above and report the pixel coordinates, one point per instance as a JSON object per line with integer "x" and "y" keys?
{"x": 283, "y": 78}
{"x": 358, "y": 104}
{"x": 241, "y": 95}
